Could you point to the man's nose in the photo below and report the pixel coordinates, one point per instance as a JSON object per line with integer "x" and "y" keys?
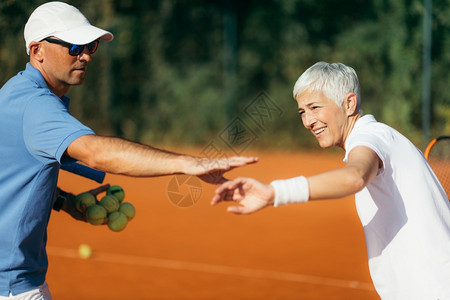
{"x": 85, "y": 55}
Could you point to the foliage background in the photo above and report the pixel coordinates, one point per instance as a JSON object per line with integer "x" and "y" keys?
{"x": 178, "y": 71}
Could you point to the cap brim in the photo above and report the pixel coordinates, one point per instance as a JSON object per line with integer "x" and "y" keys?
{"x": 84, "y": 35}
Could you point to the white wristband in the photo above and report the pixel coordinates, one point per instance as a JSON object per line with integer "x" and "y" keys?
{"x": 293, "y": 190}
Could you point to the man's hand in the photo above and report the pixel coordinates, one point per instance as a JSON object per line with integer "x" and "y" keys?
{"x": 251, "y": 194}
{"x": 70, "y": 207}
{"x": 211, "y": 170}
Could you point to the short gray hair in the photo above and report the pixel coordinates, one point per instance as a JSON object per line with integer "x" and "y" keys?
{"x": 335, "y": 80}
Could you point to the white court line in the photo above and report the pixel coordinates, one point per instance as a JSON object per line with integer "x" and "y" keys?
{"x": 211, "y": 268}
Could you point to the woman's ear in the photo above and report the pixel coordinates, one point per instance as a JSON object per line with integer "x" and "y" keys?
{"x": 351, "y": 104}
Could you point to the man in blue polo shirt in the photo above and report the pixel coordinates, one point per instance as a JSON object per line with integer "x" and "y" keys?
{"x": 38, "y": 133}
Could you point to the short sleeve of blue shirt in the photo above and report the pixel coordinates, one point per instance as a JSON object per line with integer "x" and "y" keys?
{"x": 49, "y": 128}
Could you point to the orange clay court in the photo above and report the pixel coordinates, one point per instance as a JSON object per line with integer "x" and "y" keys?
{"x": 312, "y": 251}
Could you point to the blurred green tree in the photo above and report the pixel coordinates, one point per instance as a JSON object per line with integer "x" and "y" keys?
{"x": 178, "y": 71}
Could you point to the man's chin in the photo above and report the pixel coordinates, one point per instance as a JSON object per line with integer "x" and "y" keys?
{"x": 77, "y": 82}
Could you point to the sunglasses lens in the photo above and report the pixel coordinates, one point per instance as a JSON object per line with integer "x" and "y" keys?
{"x": 92, "y": 47}
{"x": 76, "y": 50}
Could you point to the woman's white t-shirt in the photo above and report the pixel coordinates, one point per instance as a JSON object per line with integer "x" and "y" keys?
{"x": 406, "y": 217}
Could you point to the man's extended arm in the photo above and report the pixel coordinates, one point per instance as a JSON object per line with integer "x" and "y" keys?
{"x": 119, "y": 156}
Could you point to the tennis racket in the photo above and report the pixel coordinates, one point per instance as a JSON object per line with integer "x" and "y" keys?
{"x": 84, "y": 171}
{"x": 438, "y": 155}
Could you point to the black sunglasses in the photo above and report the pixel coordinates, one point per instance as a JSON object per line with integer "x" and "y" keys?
{"x": 75, "y": 50}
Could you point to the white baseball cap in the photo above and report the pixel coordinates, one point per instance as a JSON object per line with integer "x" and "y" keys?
{"x": 62, "y": 21}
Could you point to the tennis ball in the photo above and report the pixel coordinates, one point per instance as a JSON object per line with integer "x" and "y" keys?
{"x": 83, "y": 201}
{"x": 110, "y": 203}
{"x": 96, "y": 214}
{"x": 84, "y": 251}
{"x": 128, "y": 209}
{"x": 117, "y": 221}
{"x": 116, "y": 191}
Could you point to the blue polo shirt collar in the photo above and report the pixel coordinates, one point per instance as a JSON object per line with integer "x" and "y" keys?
{"x": 35, "y": 75}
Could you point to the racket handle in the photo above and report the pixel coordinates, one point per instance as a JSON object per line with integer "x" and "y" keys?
{"x": 84, "y": 171}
